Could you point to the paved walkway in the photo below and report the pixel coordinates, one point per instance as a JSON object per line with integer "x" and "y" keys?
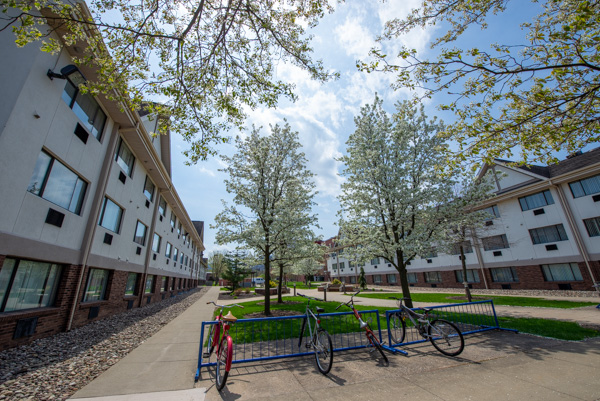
{"x": 494, "y": 365}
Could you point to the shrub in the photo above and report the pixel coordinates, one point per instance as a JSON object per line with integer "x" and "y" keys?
{"x": 237, "y": 292}
{"x": 273, "y": 284}
{"x": 336, "y": 282}
{"x": 247, "y": 291}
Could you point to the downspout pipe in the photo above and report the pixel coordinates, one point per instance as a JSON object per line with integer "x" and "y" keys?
{"x": 90, "y": 229}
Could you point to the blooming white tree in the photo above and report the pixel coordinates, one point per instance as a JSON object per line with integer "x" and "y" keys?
{"x": 273, "y": 196}
{"x": 540, "y": 95}
{"x": 397, "y": 197}
{"x": 206, "y": 61}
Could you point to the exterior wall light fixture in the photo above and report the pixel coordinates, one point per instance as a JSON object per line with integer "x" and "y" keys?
{"x": 70, "y": 72}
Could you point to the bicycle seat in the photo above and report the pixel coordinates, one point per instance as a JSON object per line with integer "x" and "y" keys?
{"x": 320, "y": 310}
{"x": 229, "y": 318}
{"x": 426, "y": 310}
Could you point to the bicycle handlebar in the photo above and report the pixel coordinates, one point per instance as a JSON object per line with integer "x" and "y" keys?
{"x": 224, "y": 306}
{"x": 307, "y": 297}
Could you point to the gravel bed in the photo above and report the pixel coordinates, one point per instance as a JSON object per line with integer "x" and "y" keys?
{"x": 54, "y": 368}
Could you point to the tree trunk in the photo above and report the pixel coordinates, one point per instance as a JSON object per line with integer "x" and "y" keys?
{"x": 280, "y": 285}
{"x": 403, "y": 279}
{"x": 267, "y": 282}
{"x": 464, "y": 270}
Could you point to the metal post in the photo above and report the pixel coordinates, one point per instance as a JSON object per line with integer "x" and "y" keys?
{"x": 294, "y": 289}
{"x": 325, "y": 293}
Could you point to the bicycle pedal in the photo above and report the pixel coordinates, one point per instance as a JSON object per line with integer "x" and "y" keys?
{"x": 206, "y": 355}
{"x": 307, "y": 345}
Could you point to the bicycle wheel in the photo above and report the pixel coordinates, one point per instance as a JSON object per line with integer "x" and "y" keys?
{"x": 210, "y": 345}
{"x": 446, "y": 337}
{"x": 397, "y": 328}
{"x": 323, "y": 351}
{"x": 375, "y": 342}
{"x": 222, "y": 358}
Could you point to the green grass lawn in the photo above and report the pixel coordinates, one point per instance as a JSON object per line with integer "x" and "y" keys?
{"x": 444, "y": 298}
{"x": 290, "y": 328}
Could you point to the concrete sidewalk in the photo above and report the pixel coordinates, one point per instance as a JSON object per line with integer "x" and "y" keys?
{"x": 166, "y": 362}
{"x": 494, "y": 365}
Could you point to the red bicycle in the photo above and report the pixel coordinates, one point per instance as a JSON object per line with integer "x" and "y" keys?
{"x": 373, "y": 340}
{"x": 219, "y": 337}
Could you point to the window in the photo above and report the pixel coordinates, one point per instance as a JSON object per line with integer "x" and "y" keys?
{"x": 375, "y": 261}
{"x": 175, "y": 254}
{"x": 492, "y": 211}
{"x": 495, "y": 242}
{"x": 391, "y": 278}
{"x": 504, "y": 274}
{"x": 536, "y": 200}
{"x": 156, "y": 243}
{"x": 86, "y": 108}
{"x": 163, "y": 284}
{"x": 140, "y": 233}
{"x": 412, "y": 278}
{"x": 352, "y": 280}
{"x": 162, "y": 206}
{"x": 95, "y": 290}
{"x": 179, "y": 228}
{"x": 342, "y": 265}
{"x": 592, "y": 226}
{"x": 56, "y": 183}
{"x": 587, "y": 186}
{"x": 149, "y": 189}
{"x": 131, "y": 282}
{"x": 433, "y": 277}
{"x": 466, "y": 247}
{"x": 149, "y": 284}
{"x": 543, "y": 235}
{"x": 562, "y": 272}
{"x": 173, "y": 219}
{"x": 181, "y": 255}
{"x": 168, "y": 250}
{"x": 25, "y": 284}
{"x": 377, "y": 279}
{"x": 472, "y": 276}
{"x": 125, "y": 158}
{"x": 110, "y": 216}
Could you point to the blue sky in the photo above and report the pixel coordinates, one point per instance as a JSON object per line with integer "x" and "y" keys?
{"x": 324, "y": 113}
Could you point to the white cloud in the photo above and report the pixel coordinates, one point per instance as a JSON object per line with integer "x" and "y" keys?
{"x": 354, "y": 37}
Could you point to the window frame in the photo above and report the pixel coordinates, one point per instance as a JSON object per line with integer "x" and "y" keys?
{"x": 135, "y": 234}
{"x": 162, "y": 205}
{"x": 49, "y": 168}
{"x": 168, "y": 250}
{"x": 85, "y": 122}
{"x": 537, "y": 239}
{"x": 157, "y": 248}
{"x": 102, "y": 215}
{"x": 104, "y": 286}
{"x": 496, "y": 271}
{"x": 546, "y": 194}
{"x": 433, "y": 280}
{"x": 592, "y": 226}
{"x": 129, "y": 292}
{"x": 121, "y": 161}
{"x": 51, "y": 283}
{"x": 548, "y": 275}
{"x": 149, "y": 194}
{"x": 495, "y": 242}
{"x": 581, "y": 186}
{"x": 473, "y": 273}
{"x": 149, "y": 289}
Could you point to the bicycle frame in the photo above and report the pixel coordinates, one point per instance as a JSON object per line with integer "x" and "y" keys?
{"x": 309, "y": 314}
{"x": 420, "y": 321}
